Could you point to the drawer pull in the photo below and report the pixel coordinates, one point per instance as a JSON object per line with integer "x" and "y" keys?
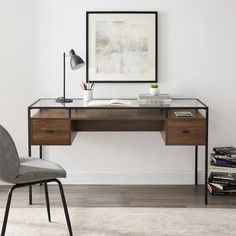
{"x": 185, "y": 131}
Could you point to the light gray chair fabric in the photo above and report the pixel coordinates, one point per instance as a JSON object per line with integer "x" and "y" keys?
{"x": 28, "y": 171}
{"x": 17, "y": 170}
{"x": 9, "y": 159}
{"x": 34, "y": 169}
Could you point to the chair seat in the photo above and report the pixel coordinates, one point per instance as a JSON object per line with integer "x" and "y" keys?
{"x": 34, "y": 169}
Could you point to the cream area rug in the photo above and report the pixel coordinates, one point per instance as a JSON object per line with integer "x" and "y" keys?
{"x": 123, "y": 222}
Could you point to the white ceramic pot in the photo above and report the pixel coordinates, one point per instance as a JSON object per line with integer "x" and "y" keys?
{"x": 87, "y": 95}
{"x": 154, "y": 91}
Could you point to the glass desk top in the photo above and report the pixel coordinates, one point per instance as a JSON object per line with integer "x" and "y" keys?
{"x": 127, "y": 103}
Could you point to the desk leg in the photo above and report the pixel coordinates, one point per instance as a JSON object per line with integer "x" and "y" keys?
{"x": 40, "y": 156}
{"x": 206, "y": 174}
{"x": 40, "y": 152}
{"x": 29, "y": 150}
{"x": 196, "y": 165}
{"x": 206, "y": 157}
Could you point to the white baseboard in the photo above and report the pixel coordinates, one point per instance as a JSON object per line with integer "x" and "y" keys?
{"x": 163, "y": 178}
{"x": 186, "y": 177}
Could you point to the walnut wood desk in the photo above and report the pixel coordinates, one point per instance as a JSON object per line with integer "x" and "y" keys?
{"x": 52, "y": 123}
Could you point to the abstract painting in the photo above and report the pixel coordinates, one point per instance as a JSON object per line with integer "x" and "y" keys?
{"x": 121, "y": 47}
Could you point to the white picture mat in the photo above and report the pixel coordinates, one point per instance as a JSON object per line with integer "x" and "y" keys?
{"x": 137, "y": 19}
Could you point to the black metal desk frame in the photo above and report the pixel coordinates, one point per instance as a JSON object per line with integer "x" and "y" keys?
{"x": 164, "y": 107}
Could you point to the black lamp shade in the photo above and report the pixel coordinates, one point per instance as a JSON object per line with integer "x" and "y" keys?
{"x": 76, "y": 61}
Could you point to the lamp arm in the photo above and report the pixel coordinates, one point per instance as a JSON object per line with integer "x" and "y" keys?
{"x": 75, "y": 64}
{"x": 64, "y": 99}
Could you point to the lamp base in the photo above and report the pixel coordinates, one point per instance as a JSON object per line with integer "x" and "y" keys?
{"x": 64, "y": 100}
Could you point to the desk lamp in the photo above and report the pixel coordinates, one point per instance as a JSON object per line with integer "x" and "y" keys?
{"x": 76, "y": 62}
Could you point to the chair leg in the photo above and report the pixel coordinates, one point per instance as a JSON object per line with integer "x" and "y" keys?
{"x": 47, "y": 201}
{"x": 65, "y": 206}
{"x": 4, "y": 225}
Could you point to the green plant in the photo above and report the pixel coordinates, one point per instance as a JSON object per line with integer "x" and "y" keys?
{"x": 154, "y": 85}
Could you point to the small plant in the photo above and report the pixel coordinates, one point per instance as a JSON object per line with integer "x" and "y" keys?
{"x": 154, "y": 89}
{"x": 154, "y": 85}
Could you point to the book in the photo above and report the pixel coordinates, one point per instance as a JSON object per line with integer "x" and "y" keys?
{"x": 223, "y": 163}
{"x": 160, "y": 98}
{"x": 224, "y": 186}
{"x": 215, "y": 191}
{"x": 222, "y": 157}
{"x": 183, "y": 114}
{"x": 222, "y": 169}
{"x": 229, "y": 151}
{"x": 109, "y": 103}
{"x": 222, "y": 177}
{"x": 217, "y": 149}
{"x": 153, "y": 103}
{"x": 149, "y": 96}
{"x": 222, "y": 160}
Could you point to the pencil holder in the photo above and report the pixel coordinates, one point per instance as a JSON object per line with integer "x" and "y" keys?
{"x": 87, "y": 95}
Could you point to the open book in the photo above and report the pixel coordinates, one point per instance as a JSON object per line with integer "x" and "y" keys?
{"x": 109, "y": 103}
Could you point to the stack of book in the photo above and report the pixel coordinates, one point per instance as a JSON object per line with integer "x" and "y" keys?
{"x": 222, "y": 178}
{"x": 152, "y": 99}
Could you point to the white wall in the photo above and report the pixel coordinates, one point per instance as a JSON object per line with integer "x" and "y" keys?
{"x": 196, "y": 52}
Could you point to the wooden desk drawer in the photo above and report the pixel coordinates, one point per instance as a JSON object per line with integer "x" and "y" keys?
{"x": 185, "y": 131}
{"x": 50, "y": 132}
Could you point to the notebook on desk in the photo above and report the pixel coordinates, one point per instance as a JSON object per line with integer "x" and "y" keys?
{"x": 109, "y": 103}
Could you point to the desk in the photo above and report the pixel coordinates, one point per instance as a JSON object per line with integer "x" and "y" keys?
{"x": 57, "y": 124}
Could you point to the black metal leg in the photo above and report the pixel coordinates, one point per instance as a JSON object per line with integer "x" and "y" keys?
{"x": 40, "y": 155}
{"x": 196, "y": 165}
{"x": 30, "y": 194}
{"x": 40, "y": 152}
{"x": 29, "y": 150}
{"x": 65, "y": 206}
{"x": 206, "y": 158}
{"x": 206, "y": 174}
{"x": 47, "y": 201}
{"x": 4, "y": 225}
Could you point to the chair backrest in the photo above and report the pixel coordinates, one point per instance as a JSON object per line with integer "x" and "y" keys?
{"x": 9, "y": 159}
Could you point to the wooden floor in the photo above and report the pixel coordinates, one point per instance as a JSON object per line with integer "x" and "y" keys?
{"x": 119, "y": 196}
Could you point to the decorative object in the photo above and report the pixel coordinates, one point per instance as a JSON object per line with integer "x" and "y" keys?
{"x": 154, "y": 89}
{"x": 121, "y": 46}
{"x": 76, "y": 62}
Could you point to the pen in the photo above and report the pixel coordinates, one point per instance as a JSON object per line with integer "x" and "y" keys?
{"x": 84, "y": 85}
{"x": 92, "y": 85}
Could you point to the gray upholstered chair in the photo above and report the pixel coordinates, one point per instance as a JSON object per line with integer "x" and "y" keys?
{"x": 27, "y": 171}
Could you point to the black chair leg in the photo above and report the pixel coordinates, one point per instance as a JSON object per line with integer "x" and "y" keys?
{"x": 4, "y": 225}
{"x": 47, "y": 201}
{"x": 65, "y": 206}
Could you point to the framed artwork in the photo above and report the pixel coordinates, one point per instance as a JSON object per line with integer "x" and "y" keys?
{"x": 121, "y": 46}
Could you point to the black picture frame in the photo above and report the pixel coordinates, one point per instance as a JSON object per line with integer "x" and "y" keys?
{"x": 144, "y": 17}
